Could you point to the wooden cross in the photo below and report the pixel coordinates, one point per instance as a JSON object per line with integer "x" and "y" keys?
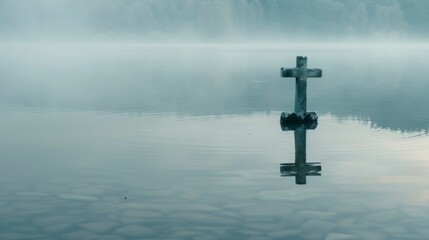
{"x": 301, "y": 168}
{"x": 300, "y": 73}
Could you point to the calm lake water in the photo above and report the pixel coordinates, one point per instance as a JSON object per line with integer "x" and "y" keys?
{"x": 139, "y": 142}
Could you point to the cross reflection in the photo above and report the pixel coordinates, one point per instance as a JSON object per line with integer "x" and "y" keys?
{"x": 301, "y": 168}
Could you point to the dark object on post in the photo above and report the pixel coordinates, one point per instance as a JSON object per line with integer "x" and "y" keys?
{"x": 311, "y": 125}
{"x": 300, "y": 73}
{"x": 309, "y": 117}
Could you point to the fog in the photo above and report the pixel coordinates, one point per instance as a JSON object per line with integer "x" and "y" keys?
{"x": 213, "y": 20}
{"x": 237, "y": 74}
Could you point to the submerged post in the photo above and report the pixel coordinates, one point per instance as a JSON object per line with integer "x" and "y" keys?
{"x": 301, "y": 73}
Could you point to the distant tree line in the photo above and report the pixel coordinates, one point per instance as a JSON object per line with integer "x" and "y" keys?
{"x": 214, "y": 19}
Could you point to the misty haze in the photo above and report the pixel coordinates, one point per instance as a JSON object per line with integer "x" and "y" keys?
{"x": 213, "y": 20}
{"x": 160, "y": 119}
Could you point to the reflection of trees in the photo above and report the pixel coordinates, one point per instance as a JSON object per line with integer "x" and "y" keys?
{"x": 381, "y": 91}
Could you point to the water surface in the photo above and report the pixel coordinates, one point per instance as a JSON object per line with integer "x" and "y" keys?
{"x": 141, "y": 142}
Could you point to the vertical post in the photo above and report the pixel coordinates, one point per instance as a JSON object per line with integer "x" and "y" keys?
{"x": 300, "y": 135}
{"x": 301, "y": 86}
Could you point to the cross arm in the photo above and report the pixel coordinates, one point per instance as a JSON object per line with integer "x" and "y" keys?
{"x": 314, "y": 72}
{"x": 295, "y": 72}
{"x": 289, "y": 72}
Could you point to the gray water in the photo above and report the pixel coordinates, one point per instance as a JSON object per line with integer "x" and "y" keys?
{"x": 163, "y": 142}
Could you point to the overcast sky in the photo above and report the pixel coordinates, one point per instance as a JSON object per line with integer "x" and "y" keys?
{"x": 214, "y": 20}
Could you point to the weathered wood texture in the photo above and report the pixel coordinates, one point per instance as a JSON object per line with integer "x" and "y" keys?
{"x": 294, "y": 72}
{"x": 301, "y": 73}
{"x": 299, "y": 121}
